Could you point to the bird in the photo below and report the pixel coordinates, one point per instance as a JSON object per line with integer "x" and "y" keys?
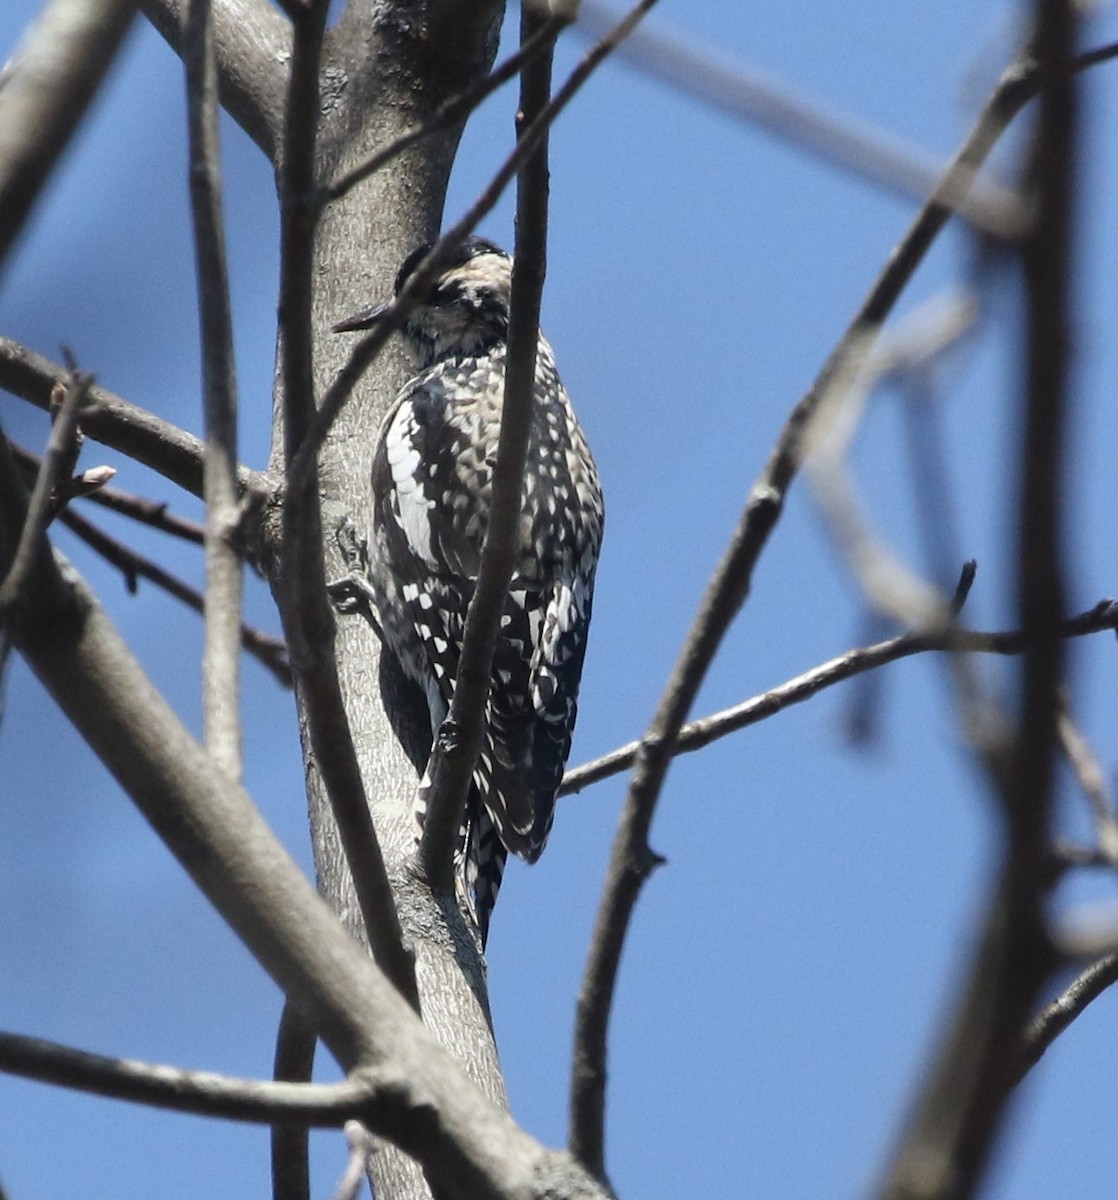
{"x": 432, "y": 481}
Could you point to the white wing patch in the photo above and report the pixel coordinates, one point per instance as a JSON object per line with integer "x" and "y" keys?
{"x": 412, "y": 505}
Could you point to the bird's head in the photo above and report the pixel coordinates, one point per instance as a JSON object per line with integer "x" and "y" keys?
{"x": 464, "y": 311}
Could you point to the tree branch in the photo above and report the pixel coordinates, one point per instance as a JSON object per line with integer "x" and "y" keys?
{"x": 271, "y": 652}
{"x": 105, "y": 417}
{"x": 202, "y": 1093}
{"x": 948, "y": 1141}
{"x": 220, "y": 658}
{"x": 632, "y": 859}
{"x": 697, "y": 734}
{"x": 252, "y": 45}
{"x": 453, "y": 760}
{"x": 1057, "y": 1016}
{"x": 59, "y": 68}
{"x": 60, "y": 454}
{"x": 294, "y": 1062}
{"x": 308, "y": 619}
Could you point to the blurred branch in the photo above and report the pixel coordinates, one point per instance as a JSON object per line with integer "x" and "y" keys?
{"x": 750, "y": 95}
{"x": 1057, "y": 1016}
{"x": 632, "y": 859}
{"x": 1077, "y": 750}
{"x": 305, "y": 605}
{"x": 202, "y": 1093}
{"x": 454, "y": 754}
{"x": 697, "y": 734}
{"x": 57, "y": 72}
{"x": 421, "y": 279}
{"x": 947, "y": 1143}
{"x": 220, "y": 657}
{"x": 294, "y": 1063}
{"x": 105, "y": 417}
{"x": 361, "y": 1148}
{"x": 252, "y": 45}
{"x": 271, "y": 652}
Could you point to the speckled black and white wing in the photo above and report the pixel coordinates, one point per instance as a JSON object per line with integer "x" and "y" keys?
{"x": 432, "y": 485}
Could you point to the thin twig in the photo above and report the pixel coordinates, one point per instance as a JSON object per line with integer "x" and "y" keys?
{"x": 455, "y": 109}
{"x": 307, "y": 616}
{"x": 632, "y": 859}
{"x": 697, "y": 734}
{"x": 105, "y": 417}
{"x": 1077, "y": 750}
{"x": 270, "y": 651}
{"x": 420, "y": 281}
{"x": 200, "y": 1092}
{"x": 1047, "y": 1026}
{"x": 57, "y": 462}
{"x": 447, "y": 779}
{"x": 224, "y": 584}
{"x": 57, "y": 73}
{"x": 294, "y": 1063}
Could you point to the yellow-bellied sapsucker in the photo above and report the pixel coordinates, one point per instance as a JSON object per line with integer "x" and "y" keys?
{"x": 432, "y": 483}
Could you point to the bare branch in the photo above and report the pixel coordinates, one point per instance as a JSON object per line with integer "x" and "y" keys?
{"x": 632, "y": 859}
{"x": 308, "y": 619}
{"x": 202, "y": 1093}
{"x": 454, "y": 757}
{"x": 946, "y": 1146}
{"x": 58, "y": 70}
{"x": 1070, "y": 1004}
{"x": 57, "y": 462}
{"x": 165, "y": 448}
{"x": 220, "y": 660}
{"x": 697, "y": 734}
{"x": 271, "y": 652}
{"x": 252, "y": 44}
{"x": 294, "y": 1062}
{"x": 1077, "y": 750}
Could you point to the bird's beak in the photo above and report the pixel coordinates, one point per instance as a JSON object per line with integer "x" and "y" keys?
{"x": 362, "y": 320}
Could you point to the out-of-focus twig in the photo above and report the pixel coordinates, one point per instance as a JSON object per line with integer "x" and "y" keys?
{"x": 946, "y": 1145}
{"x": 750, "y": 95}
{"x": 46, "y": 92}
{"x": 294, "y": 1062}
{"x": 1089, "y": 773}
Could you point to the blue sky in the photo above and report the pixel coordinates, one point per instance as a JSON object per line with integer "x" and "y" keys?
{"x": 790, "y": 966}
